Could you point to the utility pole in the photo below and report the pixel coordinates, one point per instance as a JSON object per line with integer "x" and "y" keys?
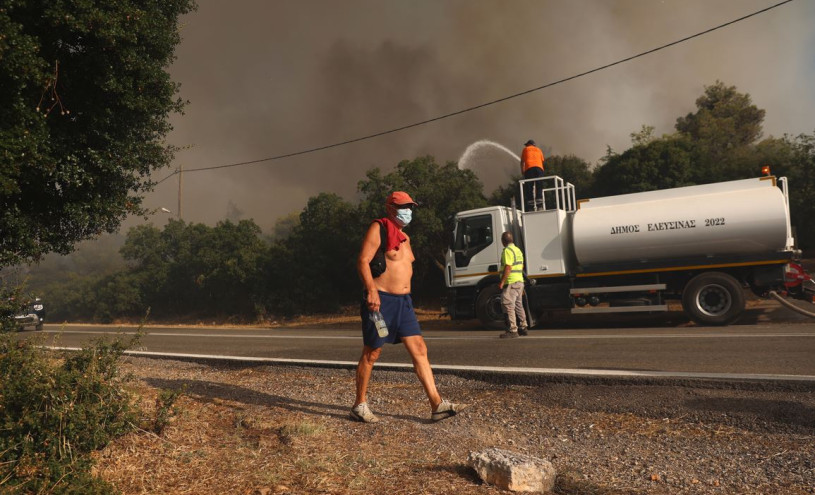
{"x": 180, "y": 182}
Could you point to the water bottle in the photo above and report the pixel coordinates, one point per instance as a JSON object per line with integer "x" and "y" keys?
{"x": 379, "y": 322}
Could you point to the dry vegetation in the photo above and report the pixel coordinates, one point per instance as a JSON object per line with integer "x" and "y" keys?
{"x": 272, "y": 430}
{"x": 262, "y": 430}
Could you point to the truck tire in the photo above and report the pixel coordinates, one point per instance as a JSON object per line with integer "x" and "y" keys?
{"x": 39, "y": 327}
{"x": 488, "y": 307}
{"x": 713, "y": 298}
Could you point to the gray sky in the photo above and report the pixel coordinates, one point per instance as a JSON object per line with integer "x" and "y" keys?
{"x": 270, "y": 77}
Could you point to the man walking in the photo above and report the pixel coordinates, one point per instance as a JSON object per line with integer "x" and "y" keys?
{"x": 512, "y": 287}
{"x": 389, "y": 294}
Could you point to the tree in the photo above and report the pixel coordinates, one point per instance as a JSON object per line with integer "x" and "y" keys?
{"x": 149, "y": 264}
{"x": 84, "y": 109}
{"x": 724, "y": 125}
{"x": 194, "y": 269}
{"x": 802, "y": 180}
{"x": 572, "y": 169}
{"x": 794, "y": 158}
{"x": 314, "y": 268}
{"x": 228, "y": 257}
{"x": 645, "y": 136}
{"x": 284, "y": 225}
{"x": 502, "y": 195}
{"x": 325, "y": 246}
{"x": 716, "y": 143}
{"x": 660, "y": 164}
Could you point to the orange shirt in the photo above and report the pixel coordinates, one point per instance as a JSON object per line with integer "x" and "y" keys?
{"x": 532, "y": 156}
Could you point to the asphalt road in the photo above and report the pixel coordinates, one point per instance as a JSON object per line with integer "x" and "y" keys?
{"x": 769, "y": 350}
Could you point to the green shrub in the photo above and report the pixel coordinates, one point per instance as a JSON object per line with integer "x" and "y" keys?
{"x": 8, "y": 308}
{"x": 166, "y": 409}
{"x": 55, "y": 412}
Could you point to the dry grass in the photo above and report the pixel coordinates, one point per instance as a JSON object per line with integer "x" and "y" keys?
{"x": 234, "y": 438}
{"x": 347, "y": 317}
{"x": 285, "y": 430}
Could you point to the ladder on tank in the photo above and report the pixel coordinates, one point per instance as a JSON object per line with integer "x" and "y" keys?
{"x": 547, "y": 193}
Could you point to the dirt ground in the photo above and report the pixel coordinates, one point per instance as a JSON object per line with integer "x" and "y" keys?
{"x": 285, "y": 430}
{"x": 261, "y": 430}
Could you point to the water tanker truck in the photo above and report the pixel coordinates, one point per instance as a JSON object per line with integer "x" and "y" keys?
{"x": 703, "y": 245}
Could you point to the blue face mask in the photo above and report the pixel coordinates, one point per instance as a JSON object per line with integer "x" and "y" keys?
{"x": 404, "y": 216}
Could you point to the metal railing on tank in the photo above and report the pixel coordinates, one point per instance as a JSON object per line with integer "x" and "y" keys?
{"x": 546, "y": 194}
{"x": 784, "y": 185}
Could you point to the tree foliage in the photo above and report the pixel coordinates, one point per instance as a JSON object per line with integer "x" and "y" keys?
{"x": 724, "y": 119}
{"x": 190, "y": 266}
{"x": 715, "y": 143}
{"x": 572, "y": 169}
{"x": 313, "y": 269}
{"x": 723, "y": 129}
{"x": 659, "y": 164}
{"x": 794, "y": 157}
{"x": 85, "y": 103}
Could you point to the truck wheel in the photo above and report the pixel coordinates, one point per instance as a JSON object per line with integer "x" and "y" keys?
{"x": 488, "y": 307}
{"x": 39, "y": 327}
{"x": 713, "y": 298}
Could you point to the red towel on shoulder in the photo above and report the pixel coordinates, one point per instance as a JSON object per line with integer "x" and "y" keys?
{"x": 395, "y": 237}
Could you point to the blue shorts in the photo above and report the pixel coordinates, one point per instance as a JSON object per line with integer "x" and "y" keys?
{"x": 397, "y": 309}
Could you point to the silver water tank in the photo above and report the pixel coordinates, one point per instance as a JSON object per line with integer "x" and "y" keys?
{"x": 727, "y": 218}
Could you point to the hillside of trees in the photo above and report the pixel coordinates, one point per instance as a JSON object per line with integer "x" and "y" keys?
{"x": 187, "y": 271}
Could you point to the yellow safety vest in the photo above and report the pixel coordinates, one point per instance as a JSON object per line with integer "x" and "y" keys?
{"x": 512, "y": 256}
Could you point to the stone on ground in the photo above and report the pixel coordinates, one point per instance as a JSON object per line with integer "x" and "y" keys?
{"x": 513, "y": 471}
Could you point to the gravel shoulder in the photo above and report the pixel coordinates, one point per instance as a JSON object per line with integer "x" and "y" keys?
{"x": 284, "y": 429}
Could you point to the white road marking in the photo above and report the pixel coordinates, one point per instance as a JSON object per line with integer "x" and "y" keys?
{"x": 489, "y": 369}
{"x": 210, "y": 335}
{"x": 463, "y": 337}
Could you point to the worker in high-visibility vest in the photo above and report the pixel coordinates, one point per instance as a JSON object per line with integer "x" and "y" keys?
{"x": 532, "y": 168}
{"x": 512, "y": 288}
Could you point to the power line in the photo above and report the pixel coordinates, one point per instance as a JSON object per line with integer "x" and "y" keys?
{"x": 482, "y": 105}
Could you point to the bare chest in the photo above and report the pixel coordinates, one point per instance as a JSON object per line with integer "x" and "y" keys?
{"x": 403, "y": 255}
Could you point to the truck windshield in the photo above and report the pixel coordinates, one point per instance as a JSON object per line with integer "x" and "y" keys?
{"x": 473, "y": 234}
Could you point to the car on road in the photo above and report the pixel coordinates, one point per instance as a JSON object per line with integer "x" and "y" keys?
{"x": 32, "y": 315}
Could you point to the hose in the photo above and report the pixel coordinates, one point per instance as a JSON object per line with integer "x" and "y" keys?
{"x": 791, "y": 306}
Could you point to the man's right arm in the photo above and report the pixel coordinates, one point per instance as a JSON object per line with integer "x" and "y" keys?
{"x": 370, "y": 244}
{"x": 504, "y": 276}
{"x": 505, "y": 269}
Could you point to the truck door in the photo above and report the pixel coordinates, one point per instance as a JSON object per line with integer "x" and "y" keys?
{"x": 475, "y": 252}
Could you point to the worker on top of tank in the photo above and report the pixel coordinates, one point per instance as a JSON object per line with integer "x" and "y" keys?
{"x": 531, "y": 168}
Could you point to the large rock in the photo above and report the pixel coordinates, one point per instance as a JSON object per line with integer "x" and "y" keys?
{"x": 511, "y": 471}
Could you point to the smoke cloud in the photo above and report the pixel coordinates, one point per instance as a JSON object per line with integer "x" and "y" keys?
{"x": 269, "y": 78}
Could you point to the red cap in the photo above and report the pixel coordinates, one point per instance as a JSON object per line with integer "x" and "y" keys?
{"x": 400, "y": 198}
